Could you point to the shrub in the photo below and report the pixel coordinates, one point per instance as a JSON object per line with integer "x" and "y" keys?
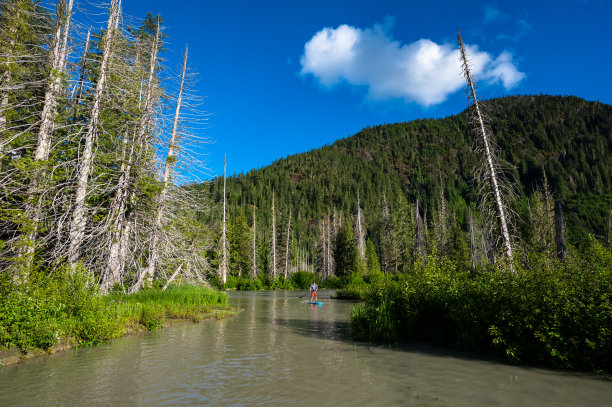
{"x": 249, "y": 284}
{"x": 550, "y": 312}
{"x": 302, "y": 279}
{"x": 152, "y": 316}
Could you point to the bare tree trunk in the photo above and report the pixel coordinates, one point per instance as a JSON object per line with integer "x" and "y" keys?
{"x": 120, "y": 228}
{"x": 559, "y": 231}
{"x": 147, "y": 273}
{"x": 254, "y": 269}
{"x": 273, "y": 240}
{"x": 83, "y": 65}
{"x": 5, "y": 79}
{"x": 43, "y": 147}
{"x": 360, "y": 233}
{"x": 287, "y": 248}
{"x": 178, "y": 269}
{"x": 112, "y": 273}
{"x": 223, "y": 264}
{"x": 488, "y": 153}
{"x": 78, "y": 221}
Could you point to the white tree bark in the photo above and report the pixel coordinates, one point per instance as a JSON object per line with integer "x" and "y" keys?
{"x": 43, "y": 148}
{"x": 78, "y": 221}
{"x": 359, "y": 232}
{"x": 273, "y": 240}
{"x": 121, "y": 228}
{"x": 5, "y": 80}
{"x": 147, "y": 273}
{"x": 57, "y": 58}
{"x": 223, "y": 265}
{"x": 488, "y": 155}
{"x": 82, "y": 75}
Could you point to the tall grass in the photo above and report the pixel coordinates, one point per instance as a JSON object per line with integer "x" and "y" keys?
{"x": 186, "y": 295}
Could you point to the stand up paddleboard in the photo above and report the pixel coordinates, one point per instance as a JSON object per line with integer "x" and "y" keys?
{"x": 319, "y": 303}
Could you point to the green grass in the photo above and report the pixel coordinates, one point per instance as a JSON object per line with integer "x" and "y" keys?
{"x": 68, "y": 308}
{"x": 177, "y": 302}
{"x": 352, "y": 292}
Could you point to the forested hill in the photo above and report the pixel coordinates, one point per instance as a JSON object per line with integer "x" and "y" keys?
{"x": 568, "y": 138}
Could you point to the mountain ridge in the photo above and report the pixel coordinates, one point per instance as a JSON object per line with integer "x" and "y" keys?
{"x": 566, "y": 137}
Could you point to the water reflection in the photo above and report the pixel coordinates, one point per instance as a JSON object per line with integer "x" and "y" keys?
{"x": 281, "y": 350}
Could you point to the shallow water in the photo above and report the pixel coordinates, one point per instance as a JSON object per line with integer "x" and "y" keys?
{"x": 282, "y": 351}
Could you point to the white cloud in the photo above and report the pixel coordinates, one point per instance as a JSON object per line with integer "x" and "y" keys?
{"x": 423, "y": 72}
{"x": 503, "y": 70}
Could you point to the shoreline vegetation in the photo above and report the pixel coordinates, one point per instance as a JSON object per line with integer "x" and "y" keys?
{"x": 547, "y": 312}
{"x": 65, "y": 312}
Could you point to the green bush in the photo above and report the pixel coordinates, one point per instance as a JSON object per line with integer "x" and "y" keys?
{"x": 302, "y": 279}
{"x": 94, "y": 327}
{"x": 39, "y": 312}
{"x": 549, "y": 312}
{"x": 152, "y": 316}
{"x": 249, "y": 284}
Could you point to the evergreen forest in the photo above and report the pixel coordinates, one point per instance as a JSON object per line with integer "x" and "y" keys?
{"x": 553, "y": 149}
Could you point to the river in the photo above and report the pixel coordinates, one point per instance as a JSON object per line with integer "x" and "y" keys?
{"x": 282, "y": 351}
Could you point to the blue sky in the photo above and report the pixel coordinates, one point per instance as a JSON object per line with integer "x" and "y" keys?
{"x": 283, "y": 77}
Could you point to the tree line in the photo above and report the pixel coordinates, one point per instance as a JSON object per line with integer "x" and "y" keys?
{"x": 418, "y": 191}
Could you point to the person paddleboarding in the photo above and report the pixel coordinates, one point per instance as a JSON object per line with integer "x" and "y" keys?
{"x": 313, "y": 291}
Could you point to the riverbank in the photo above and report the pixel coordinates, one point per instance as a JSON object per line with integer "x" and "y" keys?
{"x": 545, "y": 312}
{"x": 43, "y": 320}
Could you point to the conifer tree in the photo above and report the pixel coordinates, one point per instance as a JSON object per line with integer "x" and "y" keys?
{"x": 373, "y": 266}
{"x": 388, "y": 242}
{"x": 345, "y": 252}
{"x": 288, "y": 239}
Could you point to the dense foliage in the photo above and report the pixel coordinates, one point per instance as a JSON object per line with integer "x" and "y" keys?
{"x": 564, "y": 142}
{"x": 68, "y": 307}
{"x": 547, "y": 312}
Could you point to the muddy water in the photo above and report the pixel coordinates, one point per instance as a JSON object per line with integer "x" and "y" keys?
{"x": 282, "y": 351}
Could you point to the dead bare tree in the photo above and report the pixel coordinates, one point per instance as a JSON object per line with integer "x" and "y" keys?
{"x": 147, "y": 273}
{"x": 359, "y": 231}
{"x": 121, "y": 224}
{"x": 273, "y": 240}
{"x": 223, "y": 265}
{"x": 489, "y": 162}
{"x": 78, "y": 220}
{"x": 288, "y": 239}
